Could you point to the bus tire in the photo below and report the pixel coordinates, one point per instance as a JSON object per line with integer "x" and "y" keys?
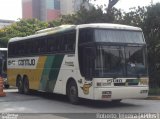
{"x": 72, "y": 92}
{"x": 20, "y": 85}
{"x": 26, "y": 85}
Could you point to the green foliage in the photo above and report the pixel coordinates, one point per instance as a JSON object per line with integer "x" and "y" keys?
{"x": 83, "y": 16}
{"x": 135, "y": 17}
{"x": 20, "y": 29}
{"x": 154, "y": 91}
{"x": 55, "y": 23}
{"x": 151, "y": 29}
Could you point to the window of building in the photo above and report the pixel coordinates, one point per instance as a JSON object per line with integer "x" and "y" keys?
{"x": 57, "y": 4}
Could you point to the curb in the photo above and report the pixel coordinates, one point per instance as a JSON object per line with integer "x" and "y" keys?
{"x": 153, "y": 98}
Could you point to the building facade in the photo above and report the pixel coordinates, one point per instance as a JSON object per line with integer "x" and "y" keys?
{"x": 70, "y": 6}
{"x": 44, "y": 10}
{"x": 47, "y": 10}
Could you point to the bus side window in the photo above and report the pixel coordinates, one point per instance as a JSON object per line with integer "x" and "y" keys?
{"x": 21, "y": 48}
{"x": 57, "y": 44}
{"x": 51, "y": 44}
{"x": 16, "y": 49}
{"x": 26, "y": 47}
{"x": 11, "y": 51}
{"x": 65, "y": 43}
{"x": 62, "y": 42}
{"x": 30, "y": 47}
{"x": 71, "y": 41}
{"x": 35, "y": 47}
{"x": 42, "y": 45}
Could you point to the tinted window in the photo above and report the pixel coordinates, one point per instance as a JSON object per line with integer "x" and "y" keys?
{"x": 55, "y": 43}
{"x": 62, "y": 43}
{"x": 69, "y": 42}
{"x": 42, "y": 45}
{"x": 85, "y": 35}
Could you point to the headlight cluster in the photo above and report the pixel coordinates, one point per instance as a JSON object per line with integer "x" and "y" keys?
{"x": 144, "y": 81}
{"x": 103, "y": 84}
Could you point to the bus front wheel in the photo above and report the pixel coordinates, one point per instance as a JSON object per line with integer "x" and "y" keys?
{"x": 72, "y": 92}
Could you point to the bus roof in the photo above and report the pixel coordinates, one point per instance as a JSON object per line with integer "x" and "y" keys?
{"x": 46, "y": 32}
{"x": 109, "y": 26}
{"x": 63, "y": 28}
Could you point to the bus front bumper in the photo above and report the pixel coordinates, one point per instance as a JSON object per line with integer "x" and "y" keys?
{"x": 116, "y": 93}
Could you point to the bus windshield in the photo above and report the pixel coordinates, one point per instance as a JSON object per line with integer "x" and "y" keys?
{"x": 110, "y": 53}
{"x": 120, "y": 61}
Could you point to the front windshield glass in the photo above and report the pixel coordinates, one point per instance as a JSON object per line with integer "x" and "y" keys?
{"x": 135, "y": 60}
{"x": 109, "y": 61}
{"x": 113, "y": 61}
{"x": 120, "y": 61}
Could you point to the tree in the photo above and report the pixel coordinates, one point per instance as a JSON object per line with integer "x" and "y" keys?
{"x": 20, "y": 29}
{"x": 149, "y": 20}
{"x": 151, "y": 30}
{"x": 82, "y": 16}
{"x": 111, "y": 4}
{"x": 135, "y": 17}
{"x": 94, "y": 15}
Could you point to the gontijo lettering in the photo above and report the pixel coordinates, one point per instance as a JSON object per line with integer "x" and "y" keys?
{"x": 26, "y": 62}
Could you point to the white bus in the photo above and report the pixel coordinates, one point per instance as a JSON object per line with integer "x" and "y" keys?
{"x": 91, "y": 61}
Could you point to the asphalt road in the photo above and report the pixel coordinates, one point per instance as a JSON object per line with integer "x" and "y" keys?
{"x": 41, "y": 105}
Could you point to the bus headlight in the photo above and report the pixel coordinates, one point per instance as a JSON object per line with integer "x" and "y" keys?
{"x": 103, "y": 84}
{"x": 144, "y": 81}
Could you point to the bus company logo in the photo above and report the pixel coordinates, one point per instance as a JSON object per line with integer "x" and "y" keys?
{"x": 85, "y": 88}
{"x": 11, "y": 62}
{"x": 9, "y": 116}
{"x": 22, "y": 62}
{"x": 30, "y": 63}
{"x": 26, "y": 62}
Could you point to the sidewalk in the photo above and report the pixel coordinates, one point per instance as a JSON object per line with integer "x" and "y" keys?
{"x": 153, "y": 97}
